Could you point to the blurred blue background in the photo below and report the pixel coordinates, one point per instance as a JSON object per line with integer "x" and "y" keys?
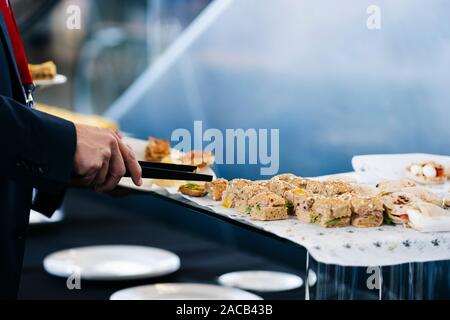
{"x": 312, "y": 69}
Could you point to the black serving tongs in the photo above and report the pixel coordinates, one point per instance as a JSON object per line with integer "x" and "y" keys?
{"x": 169, "y": 171}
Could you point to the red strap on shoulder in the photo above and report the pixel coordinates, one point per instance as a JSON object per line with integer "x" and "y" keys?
{"x": 17, "y": 44}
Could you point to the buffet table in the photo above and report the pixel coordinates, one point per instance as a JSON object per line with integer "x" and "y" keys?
{"x": 92, "y": 220}
{"x": 386, "y": 262}
{"x": 394, "y": 262}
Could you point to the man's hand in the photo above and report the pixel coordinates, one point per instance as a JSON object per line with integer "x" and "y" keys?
{"x": 102, "y": 159}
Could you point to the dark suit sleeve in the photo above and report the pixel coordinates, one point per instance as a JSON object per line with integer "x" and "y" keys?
{"x": 37, "y": 149}
{"x": 48, "y": 203}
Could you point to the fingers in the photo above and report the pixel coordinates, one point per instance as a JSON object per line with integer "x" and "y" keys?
{"x": 129, "y": 158}
{"x": 102, "y": 174}
{"x": 118, "y": 134}
{"x": 131, "y": 163}
{"x": 116, "y": 170}
{"x": 102, "y": 159}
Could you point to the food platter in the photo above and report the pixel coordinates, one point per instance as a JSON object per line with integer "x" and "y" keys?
{"x": 347, "y": 246}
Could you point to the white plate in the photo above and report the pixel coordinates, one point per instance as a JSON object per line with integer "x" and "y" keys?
{"x": 392, "y": 166}
{"x": 183, "y": 291}
{"x": 112, "y": 262}
{"x": 59, "y": 79}
{"x": 38, "y": 219}
{"x": 262, "y": 281}
{"x": 312, "y": 278}
{"x": 139, "y": 147}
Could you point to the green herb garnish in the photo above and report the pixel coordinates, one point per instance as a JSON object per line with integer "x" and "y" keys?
{"x": 191, "y": 186}
{"x": 333, "y": 222}
{"x": 313, "y": 218}
{"x": 258, "y": 207}
{"x": 289, "y": 205}
{"x": 248, "y": 209}
{"x": 388, "y": 220}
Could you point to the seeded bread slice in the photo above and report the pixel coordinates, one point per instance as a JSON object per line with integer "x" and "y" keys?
{"x": 332, "y": 212}
{"x": 248, "y": 192}
{"x": 233, "y": 192}
{"x": 302, "y": 202}
{"x": 367, "y": 212}
{"x": 267, "y": 206}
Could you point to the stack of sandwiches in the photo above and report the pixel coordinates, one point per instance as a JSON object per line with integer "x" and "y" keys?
{"x": 332, "y": 212}
{"x": 335, "y": 204}
{"x": 234, "y": 194}
{"x": 331, "y": 203}
{"x": 367, "y": 212}
{"x": 267, "y": 206}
